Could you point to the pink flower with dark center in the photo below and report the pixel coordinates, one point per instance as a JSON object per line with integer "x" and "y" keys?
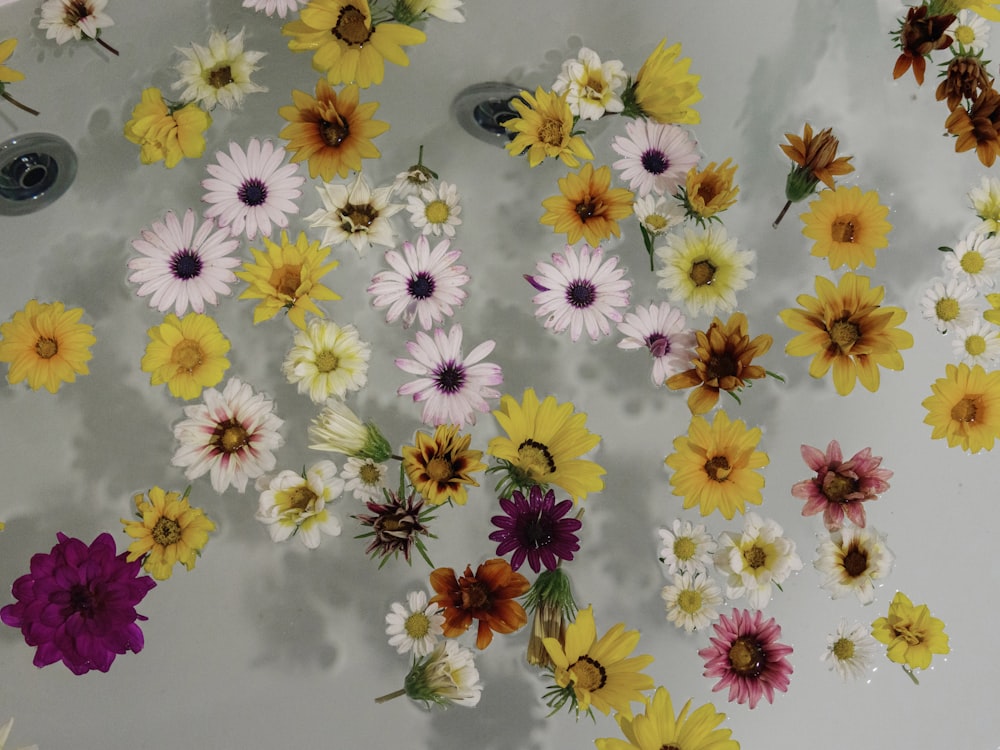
{"x": 840, "y": 487}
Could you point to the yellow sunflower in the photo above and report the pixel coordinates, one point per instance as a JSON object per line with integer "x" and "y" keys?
{"x": 714, "y": 465}
{"x": 664, "y": 89}
{"x": 187, "y": 354}
{"x": 349, "y": 48}
{"x": 439, "y": 467}
{"x": 588, "y": 206}
{"x": 288, "y": 277}
{"x": 910, "y": 634}
{"x": 965, "y": 407}
{"x": 164, "y": 134}
{"x": 46, "y": 344}
{"x": 545, "y": 128}
{"x": 847, "y": 226}
{"x": 710, "y": 191}
{"x": 170, "y": 531}
{"x": 332, "y": 131}
{"x": 543, "y": 444}
{"x": 847, "y": 327}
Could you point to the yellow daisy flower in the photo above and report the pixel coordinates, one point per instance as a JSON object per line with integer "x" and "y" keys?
{"x": 847, "y": 226}
{"x": 165, "y": 134}
{"x": 710, "y": 191}
{"x": 543, "y": 444}
{"x": 545, "y": 129}
{"x": 8, "y": 75}
{"x": 439, "y": 467}
{"x": 714, "y": 465}
{"x": 847, "y": 327}
{"x": 664, "y": 89}
{"x": 599, "y": 672}
{"x": 287, "y": 277}
{"x": 170, "y": 531}
{"x": 965, "y": 407}
{"x": 985, "y": 8}
{"x": 46, "y": 344}
{"x": 588, "y": 206}
{"x": 348, "y": 47}
{"x": 910, "y": 634}
{"x": 187, "y": 354}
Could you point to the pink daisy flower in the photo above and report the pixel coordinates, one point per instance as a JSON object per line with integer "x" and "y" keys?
{"x": 662, "y": 330}
{"x": 452, "y": 388}
{"x": 250, "y": 190}
{"x": 580, "y": 291}
{"x": 840, "y": 487}
{"x": 657, "y": 157}
{"x": 746, "y": 656}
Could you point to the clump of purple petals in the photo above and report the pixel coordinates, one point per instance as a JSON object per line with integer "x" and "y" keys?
{"x": 535, "y": 529}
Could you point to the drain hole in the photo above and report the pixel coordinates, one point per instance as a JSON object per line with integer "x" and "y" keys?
{"x": 35, "y": 169}
{"x": 28, "y": 176}
{"x": 32, "y": 174}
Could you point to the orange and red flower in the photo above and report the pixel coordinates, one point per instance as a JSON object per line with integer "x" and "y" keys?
{"x": 488, "y": 596}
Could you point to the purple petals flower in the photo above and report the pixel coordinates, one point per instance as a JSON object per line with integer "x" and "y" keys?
{"x": 78, "y": 603}
{"x": 534, "y": 529}
{"x": 657, "y": 157}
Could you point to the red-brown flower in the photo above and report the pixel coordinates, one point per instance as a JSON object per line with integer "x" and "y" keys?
{"x": 920, "y": 35}
{"x": 979, "y": 127}
{"x": 488, "y": 596}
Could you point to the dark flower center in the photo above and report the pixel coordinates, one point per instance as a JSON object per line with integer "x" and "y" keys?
{"x": 702, "y": 273}
{"x": 535, "y": 531}
{"x": 581, "y": 294}
{"x": 450, "y": 378}
{"x": 718, "y": 468}
{"x": 855, "y": 561}
{"x": 421, "y": 286}
{"x": 535, "y": 456}
{"x": 230, "y": 436}
{"x": 185, "y": 264}
{"x": 220, "y": 77}
{"x": 46, "y": 348}
{"x": 82, "y": 600}
{"x": 252, "y": 192}
{"x": 301, "y": 498}
{"x": 586, "y": 210}
{"x": 843, "y": 228}
{"x": 166, "y": 532}
{"x": 286, "y": 280}
{"x": 590, "y": 674}
{"x": 720, "y": 366}
{"x": 333, "y": 133}
{"x": 357, "y": 218}
{"x": 475, "y": 596}
{"x": 659, "y": 345}
{"x": 74, "y": 12}
{"x": 746, "y": 657}
{"x": 755, "y": 557}
{"x": 965, "y": 410}
{"x": 710, "y": 187}
{"x": 844, "y": 333}
{"x": 655, "y": 161}
{"x": 351, "y": 27}
{"x": 837, "y": 487}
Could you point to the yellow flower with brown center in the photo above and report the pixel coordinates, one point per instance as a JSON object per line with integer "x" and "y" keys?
{"x": 722, "y": 362}
{"x": 166, "y": 134}
{"x": 440, "y": 467}
{"x": 288, "y": 277}
{"x": 188, "y": 354}
{"x": 664, "y": 90}
{"x": 349, "y": 47}
{"x": 847, "y": 327}
{"x": 588, "y": 206}
{"x": 965, "y": 407}
{"x": 847, "y": 226}
{"x": 331, "y": 131}
{"x": 910, "y": 634}
{"x": 545, "y": 129}
{"x": 710, "y": 191}
{"x": 169, "y": 531}
{"x": 714, "y": 465}
{"x": 46, "y": 344}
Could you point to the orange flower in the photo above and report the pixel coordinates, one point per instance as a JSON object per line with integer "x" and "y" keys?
{"x": 977, "y": 127}
{"x": 588, "y": 206}
{"x": 815, "y": 160}
{"x": 965, "y": 77}
{"x": 920, "y": 35}
{"x": 488, "y": 596}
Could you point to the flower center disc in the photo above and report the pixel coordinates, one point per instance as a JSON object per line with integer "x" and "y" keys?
{"x": 534, "y": 458}
{"x": 417, "y": 625}
{"x": 710, "y": 187}
{"x": 333, "y": 133}
{"x": 230, "y": 436}
{"x": 843, "y": 228}
{"x": 655, "y": 161}
{"x": 855, "y": 562}
{"x": 46, "y": 348}
{"x": 975, "y": 345}
{"x": 718, "y": 468}
{"x": 421, "y": 286}
{"x": 702, "y": 273}
{"x": 586, "y": 210}
{"x": 327, "y": 361}
{"x": 358, "y": 218}
{"x": 844, "y": 333}
{"x": 590, "y": 675}
{"x": 352, "y": 27}
{"x": 837, "y": 487}
{"x": 369, "y": 475}
{"x": 286, "y": 280}
{"x": 746, "y": 657}
{"x": 166, "y": 532}
{"x": 965, "y": 410}
{"x": 689, "y": 601}
{"x": 684, "y": 548}
{"x": 581, "y": 294}
{"x": 437, "y": 212}
{"x": 220, "y": 77}
{"x": 755, "y": 557}
{"x": 252, "y": 192}
{"x": 301, "y": 498}
{"x": 843, "y": 649}
{"x": 972, "y": 262}
{"x": 440, "y": 469}
{"x": 475, "y": 596}
{"x": 187, "y": 355}
{"x": 185, "y": 265}
{"x": 946, "y": 309}
{"x": 551, "y": 133}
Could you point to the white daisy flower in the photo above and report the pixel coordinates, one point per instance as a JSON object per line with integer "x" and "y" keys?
{"x": 970, "y": 30}
{"x": 291, "y": 503}
{"x": 985, "y": 201}
{"x": 592, "y": 88}
{"x": 975, "y": 260}
{"x": 64, "y": 20}
{"x": 850, "y": 562}
{"x": 977, "y": 344}
{"x": 850, "y": 650}
{"x": 949, "y": 304}
{"x": 365, "y": 478}
{"x": 219, "y": 73}
{"x": 755, "y": 559}
{"x": 448, "y": 675}
{"x": 413, "y": 180}
{"x": 270, "y": 7}
{"x": 414, "y": 627}
{"x": 657, "y": 213}
{"x": 327, "y": 360}
{"x": 355, "y": 214}
{"x": 687, "y": 548}
{"x": 435, "y": 211}
{"x": 692, "y": 600}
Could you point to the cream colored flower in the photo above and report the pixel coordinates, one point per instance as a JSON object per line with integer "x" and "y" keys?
{"x": 756, "y": 559}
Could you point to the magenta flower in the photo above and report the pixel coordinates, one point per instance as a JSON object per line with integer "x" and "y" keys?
{"x": 746, "y": 656}
{"x": 840, "y": 487}
{"x": 78, "y": 604}
{"x": 534, "y": 528}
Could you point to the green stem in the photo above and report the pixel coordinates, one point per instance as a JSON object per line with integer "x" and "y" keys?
{"x": 911, "y": 674}
{"x": 390, "y": 696}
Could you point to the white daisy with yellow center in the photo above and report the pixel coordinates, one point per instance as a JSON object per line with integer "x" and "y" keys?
{"x": 851, "y": 561}
{"x": 327, "y": 360}
{"x": 415, "y": 626}
{"x": 219, "y": 73}
{"x": 985, "y": 201}
{"x": 975, "y": 260}
{"x": 365, "y": 478}
{"x": 656, "y": 214}
{"x": 849, "y": 650}
{"x": 970, "y": 31}
{"x": 978, "y": 344}
{"x": 756, "y": 560}
{"x": 435, "y": 211}
{"x": 692, "y": 601}
{"x": 686, "y": 548}
{"x": 950, "y": 304}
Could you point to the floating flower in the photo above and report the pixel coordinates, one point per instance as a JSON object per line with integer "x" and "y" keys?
{"x": 977, "y": 127}
{"x": 576, "y": 292}
{"x": 534, "y": 529}
{"x": 292, "y": 503}
{"x": 251, "y": 189}
{"x": 691, "y": 601}
{"x": 445, "y": 10}
{"x": 356, "y": 214}
{"x": 270, "y": 7}
{"x": 349, "y": 46}
{"x": 63, "y": 20}
{"x": 545, "y": 128}
{"x": 219, "y": 73}
{"x": 664, "y": 90}
{"x": 850, "y": 562}
{"x": 165, "y": 133}
{"x": 288, "y": 278}
{"x": 656, "y": 157}
{"x": 657, "y": 728}
{"x": 180, "y": 268}
{"x": 364, "y": 477}
{"x": 415, "y": 626}
{"x": 714, "y": 465}
{"x": 985, "y": 201}
{"x": 849, "y": 650}
{"x": 446, "y": 676}
{"x": 168, "y": 531}
{"x": 710, "y": 191}
{"x": 592, "y": 88}
{"x": 978, "y": 344}
{"x": 489, "y": 596}
{"x": 722, "y": 362}
{"x": 441, "y": 466}
{"x": 910, "y": 634}
{"x": 423, "y": 284}
{"x": 747, "y": 657}
{"x": 662, "y": 330}
{"x": 755, "y": 559}
{"x": 46, "y": 344}
{"x": 327, "y": 360}
{"x": 847, "y": 327}
{"x": 840, "y": 487}
{"x": 975, "y": 260}
{"x": 187, "y": 354}
{"x": 543, "y": 445}
{"x": 587, "y": 207}
{"x": 398, "y": 525}
{"x": 964, "y": 78}
{"x": 452, "y": 387}
{"x": 814, "y": 160}
{"x": 704, "y": 270}
{"x": 687, "y": 548}
{"x": 599, "y": 673}
{"x": 435, "y": 211}
{"x": 950, "y": 304}
{"x": 550, "y": 603}
{"x": 9, "y": 75}
{"x": 918, "y": 36}
{"x": 965, "y": 407}
{"x": 77, "y": 605}
{"x": 231, "y": 434}
{"x": 847, "y": 226}
{"x": 332, "y": 132}
{"x": 656, "y": 214}
{"x": 337, "y": 429}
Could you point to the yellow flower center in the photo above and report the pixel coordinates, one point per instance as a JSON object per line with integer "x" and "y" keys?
{"x": 965, "y": 410}
{"x": 746, "y": 657}
{"x": 755, "y": 557}
{"x": 590, "y": 674}
{"x": 843, "y": 228}
{"x": 946, "y": 309}
{"x": 684, "y": 548}
{"x": 965, "y": 35}
{"x": 187, "y": 355}
{"x": 838, "y": 487}
{"x": 843, "y": 649}
{"x": 718, "y": 468}
{"x": 975, "y": 344}
{"x": 656, "y": 222}
{"x": 369, "y": 474}
{"x": 333, "y": 133}
{"x": 417, "y": 625}
{"x": 166, "y": 532}
{"x": 689, "y": 601}
{"x": 844, "y": 333}
{"x": 534, "y": 458}
{"x": 230, "y": 436}
{"x": 702, "y": 273}
{"x": 551, "y": 133}
{"x": 855, "y": 561}
{"x": 286, "y": 280}
{"x": 437, "y": 212}
{"x": 910, "y": 636}
{"x": 352, "y": 27}
{"x": 301, "y": 498}
{"x": 327, "y": 361}
{"x": 972, "y": 262}
{"x": 440, "y": 469}
{"x": 46, "y": 348}
{"x": 220, "y": 77}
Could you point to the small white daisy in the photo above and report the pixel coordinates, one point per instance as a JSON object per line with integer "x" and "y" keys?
{"x": 977, "y": 344}
{"x": 850, "y": 562}
{"x": 64, "y": 20}
{"x": 219, "y": 73}
{"x": 657, "y": 214}
{"x": 692, "y": 600}
{"x": 656, "y": 156}
{"x": 687, "y": 548}
{"x": 662, "y": 330}
{"x": 985, "y": 201}
{"x": 415, "y": 626}
{"x": 291, "y": 503}
{"x": 949, "y": 304}
{"x": 970, "y": 30}
{"x": 445, "y": 10}
{"x": 270, "y": 7}
{"x": 413, "y": 180}
{"x": 355, "y": 214}
{"x": 327, "y": 360}
{"x": 849, "y": 650}
{"x": 592, "y": 88}
{"x": 975, "y": 260}
{"x": 435, "y": 211}
{"x": 755, "y": 559}
{"x": 365, "y": 478}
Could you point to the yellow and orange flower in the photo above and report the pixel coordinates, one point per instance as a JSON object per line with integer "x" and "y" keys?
{"x": 978, "y": 127}
{"x": 817, "y": 154}
{"x": 439, "y": 467}
{"x": 965, "y": 407}
{"x": 545, "y": 129}
{"x": 710, "y": 191}
{"x": 588, "y": 207}
{"x": 847, "y": 226}
{"x": 46, "y": 344}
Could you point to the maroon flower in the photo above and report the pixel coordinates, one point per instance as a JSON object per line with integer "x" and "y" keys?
{"x": 534, "y": 528}
{"x": 840, "y": 487}
{"x": 397, "y": 526}
{"x": 78, "y": 604}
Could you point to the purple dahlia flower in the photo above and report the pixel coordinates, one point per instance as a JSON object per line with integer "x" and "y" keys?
{"x": 78, "y": 604}
{"x": 534, "y": 529}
